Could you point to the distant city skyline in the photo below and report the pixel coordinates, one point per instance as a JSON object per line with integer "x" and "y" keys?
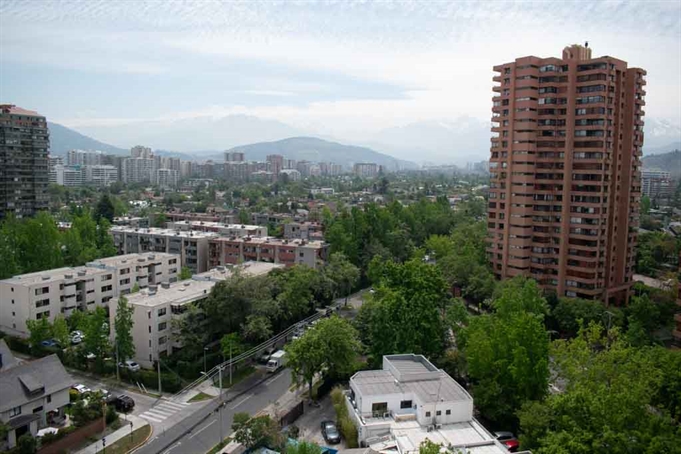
{"x": 341, "y": 70}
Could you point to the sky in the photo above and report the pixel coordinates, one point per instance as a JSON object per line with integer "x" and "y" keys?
{"x": 335, "y": 67}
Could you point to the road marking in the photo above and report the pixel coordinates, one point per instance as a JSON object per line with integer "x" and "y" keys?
{"x": 168, "y": 408}
{"x": 240, "y": 402}
{"x": 178, "y": 405}
{"x": 273, "y": 379}
{"x": 165, "y": 414}
{"x": 172, "y": 447}
{"x": 202, "y": 429}
{"x": 145, "y": 416}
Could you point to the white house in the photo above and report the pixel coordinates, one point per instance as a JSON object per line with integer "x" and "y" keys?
{"x": 409, "y": 401}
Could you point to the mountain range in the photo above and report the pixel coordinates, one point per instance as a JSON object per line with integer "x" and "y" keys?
{"x": 458, "y": 141}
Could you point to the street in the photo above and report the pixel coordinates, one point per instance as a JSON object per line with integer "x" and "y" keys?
{"x": 199, "y": 431}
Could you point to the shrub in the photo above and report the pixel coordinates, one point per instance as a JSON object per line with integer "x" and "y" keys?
{"x": 74, "y": 396}
{"x": 347, "y": 428}
{"x": 26, "y": 444}
{"x": 111, "y": 415}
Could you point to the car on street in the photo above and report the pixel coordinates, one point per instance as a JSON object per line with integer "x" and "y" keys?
{"x": 265, "y": 357}
{"x": 124, "y": 403}
{"x": 82, "y": 389}
{"x": 107, "y": 397}
{"x": 132, "y": 366}
{"x": 330, "y": 432}
{"x": 509, "y": 440}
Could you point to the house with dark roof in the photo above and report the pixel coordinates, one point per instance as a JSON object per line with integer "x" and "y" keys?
{"x": 32, "y": 393}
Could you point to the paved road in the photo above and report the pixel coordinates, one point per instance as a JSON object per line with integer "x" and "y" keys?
{"x": 199, "y": 431}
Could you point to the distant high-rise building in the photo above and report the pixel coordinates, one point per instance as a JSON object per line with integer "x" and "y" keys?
{"x": 100, "y": 175}
{"x": 140, "y": 151}
{"x": 565, "y": 173}
{"x": 70, "y": 176}
{"x": 84, "y": 158}
{"x": 24, "y": 144}
{"x": 276, "y": 163}
{"x": 656, "y": 184}
{"x": 234, "y": 156}
{"x": 167, "y": 178}
{"x": 365, "y": 169}
{"x": 138, "y": 170}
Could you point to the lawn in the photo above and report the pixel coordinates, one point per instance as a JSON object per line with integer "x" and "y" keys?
{"x": 237, "y": 376}
{"x": 126, "y": 444}
{"x": 200, "y": 396}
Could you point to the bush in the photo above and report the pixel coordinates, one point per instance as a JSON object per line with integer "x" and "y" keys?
{"x": 26, "y": 444}
{"x": 111, "y": 415}
{"x": 347, "y": 428}
{"x": 149, "y": 378}
{"x": 74, "y": 396}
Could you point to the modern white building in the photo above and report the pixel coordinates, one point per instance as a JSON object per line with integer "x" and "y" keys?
{"x": 100, "y": 175}
{"x": 84, "y": 157}
{"x": 156, "y": 307}
{"x": 656, "y": 184}
{"x": 409, "y": 401}
{"x": 238, "y": 230}
{"x": 64, "y": 290}
{"x": 166, "y": 178}
{"x": 191, "y": 246}
{"x": 71, "y": 176}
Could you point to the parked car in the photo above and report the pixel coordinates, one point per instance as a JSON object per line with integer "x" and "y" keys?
{"x": 132, "y": 366}
{"x": 509, "y": 440}
{"x": 265, "y": 357}
{"x": 49, "y": 343}
{"x": 82, "y": 389}
{"x": 77, "y": 337}
{"x": 330, "y": 432}
{"x": 107, "y": 397}
{"x": 124, "y": 403}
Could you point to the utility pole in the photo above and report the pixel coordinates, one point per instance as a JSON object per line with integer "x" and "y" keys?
{"x": 220, "y": 405}
{"x": 158, "y": 365}
{"x": 230, "y": 369}
{"x": 118, "y": 361}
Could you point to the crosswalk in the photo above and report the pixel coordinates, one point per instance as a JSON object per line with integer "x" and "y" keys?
{"x": 163, "y": 410}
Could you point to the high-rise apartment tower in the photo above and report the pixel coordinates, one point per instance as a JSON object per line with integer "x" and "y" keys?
{"x": 24, "y": 175}
{"x": 565, "y": 173}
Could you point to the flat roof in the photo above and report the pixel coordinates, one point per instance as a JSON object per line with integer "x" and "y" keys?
{"x": 316, "y": 244}
{"x": 163, "y": 232}
{"x": 470, "y": 435}
{"x": 216, "y": 224}
{"x": 53, "y": 275}
{"x": 134, "y": 258}
{"x": 196, "y": 288}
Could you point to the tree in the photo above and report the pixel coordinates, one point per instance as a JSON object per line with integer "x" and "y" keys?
{"x": 303, "y": 447}
{"x": 160, "y": 220}
{"x": 97, "y": 335}
{"x": 570, "y": 314}
{"x": 39, "y": 330}
{"x": 26, "y": 444}
{"x": 255, "y": 432}
{"x": 428, "y": 447}
{"x": 123, "y": 323}
{"x": 508, "y": 362}
{"x": 135, "y": 288}
{"x": 306, "y": 357}
{"x": 257, "y": 328}
{"x": 105, "y": 208}
{"x": 60, "y": 331}
{"x": 231, "y": 345}
{"x": 343, "y": 273}
{"x": 645, "y": 205}
{"x": 340, "y": 345}
{"x": 610, "y": 401}
{"x": 520, "y": 294}
{"x": 185, "y": 273}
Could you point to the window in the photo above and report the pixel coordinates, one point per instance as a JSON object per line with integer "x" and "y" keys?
{"x": 16, "y": 411}
{"x": 405, "y": 404}
{"x": 161, "y": 312}
{"x": 427, "y": 414}
{"x": 107, "y": 288}
{"x": 162, "y": 326}
{"x": 49, "y": 398}
{"x": 41, "y": 291}
{"x": 107, "y": 277}
{"x": 162, "y": 340}
{"x": 379, "y": 408}
{"x": 448, "y": 412}
{"x": 438, "y": 413}
{"x": 124, "y": 281}
{"x": 42, "y": 303}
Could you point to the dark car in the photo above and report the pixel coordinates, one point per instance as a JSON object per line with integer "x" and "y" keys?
{"x": 330, "y": 432}
{"x": 124, "y": 403}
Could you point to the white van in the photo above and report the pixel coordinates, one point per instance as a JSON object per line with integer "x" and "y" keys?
{"x": 277, "y": 361}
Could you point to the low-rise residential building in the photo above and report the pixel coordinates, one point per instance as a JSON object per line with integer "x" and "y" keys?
{"x": 303, "y": 231}
{"x": 132, "y": 221}
{"x": 156, "y": 307}
{"x": 232, "y": 250}
{"x": 33, "y": 394}
{"x": 219, "y": 227}
{"x": 48, "y": 293}
{"x": 191, "y": 246}
{"x": 410, "y": 400}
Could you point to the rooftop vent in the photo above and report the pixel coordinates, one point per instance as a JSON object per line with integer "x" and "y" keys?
{"x": 82, "y": 273}
{"x": 186, "y": 284}
{"x": 68, "y": 276}
{"x": 46, "y": 278}
{"x": 141, "y": 259}
{"x": 165, "y": 284}
{"x": 152, "y": 256}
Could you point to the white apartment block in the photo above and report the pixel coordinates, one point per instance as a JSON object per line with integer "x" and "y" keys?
{"x": 656, "y": 184}
{"x": 238, "y": 230}
{"x": 166, "y": 178}
{"x": 191, "y": 246}
{"x": 156, "y": 307}
{"x": 101, "y": 175}
{"x": 410, "y": 400}
{"x": 64, "y": 290}
{"x": 138, "y": 170}
{"x": 71, "y": 176}
{"x": 83, "y": 157}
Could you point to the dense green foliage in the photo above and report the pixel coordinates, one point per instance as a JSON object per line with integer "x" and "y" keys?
{"x": 257, "y": 431}
{"x": 657, "y": 252}
{"x": 617, "y": 399}
{"x": 125, "y": 347}
{"x": 35, "y": 244}
{"x": 346, "y": 426}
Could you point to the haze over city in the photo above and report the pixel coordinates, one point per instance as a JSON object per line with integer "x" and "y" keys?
{"x": 412, "y": 79}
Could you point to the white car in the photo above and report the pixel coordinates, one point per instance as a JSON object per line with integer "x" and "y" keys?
{"x": 132, "y": 366}
{"x": 82, "y": 389}
{"x": 77, "y": 337}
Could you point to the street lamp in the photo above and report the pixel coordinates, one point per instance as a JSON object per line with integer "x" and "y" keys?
{"x": 205, "y": 349}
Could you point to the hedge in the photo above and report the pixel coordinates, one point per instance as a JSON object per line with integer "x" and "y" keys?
{"x": 345, "y": 424}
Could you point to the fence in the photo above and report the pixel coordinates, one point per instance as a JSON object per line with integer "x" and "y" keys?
{"x": 74, "y": 438}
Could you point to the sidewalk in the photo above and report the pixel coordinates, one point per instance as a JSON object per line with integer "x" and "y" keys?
{"x": 207, "y": 386}
{"x": 124, "y": 431}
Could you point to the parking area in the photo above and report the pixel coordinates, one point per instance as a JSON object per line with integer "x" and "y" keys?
{"x": 310, "y": 422}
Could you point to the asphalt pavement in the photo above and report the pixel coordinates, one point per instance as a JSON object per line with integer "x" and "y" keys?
{"x": 199, "y": 431}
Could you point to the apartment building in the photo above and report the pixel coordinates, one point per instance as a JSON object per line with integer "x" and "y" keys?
{"x": 45, "y": 294}
{"x": 156, "y": 307}
{"x": 100, "y": 175}
{"x": 565, "y": 172}
{"x": 219, "y": 227}
{"x": 233, "y": 250}
{"x": 69, "y": 176}
{"x": 24, "y": 146}
{"x": 303, "y": 231}
{"x": 84, "y": 158}
{"x": 365, "y": 169}
{"x": 132, "y": 221}
{"x": 234, "y": 156}
{"x": 656, "y": 184}
{"x": 166, "y": 178}
{"x": 191, "y": 246}
{"x": 410, "y": 400}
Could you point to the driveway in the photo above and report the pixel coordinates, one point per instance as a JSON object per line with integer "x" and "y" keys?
{"x": 310, "y": 422}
